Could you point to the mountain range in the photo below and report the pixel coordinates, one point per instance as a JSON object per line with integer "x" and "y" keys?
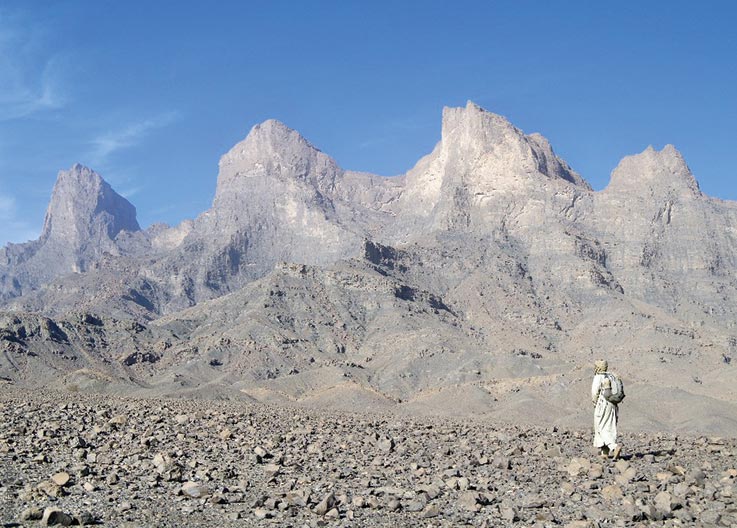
{"x": 485, "y": 280}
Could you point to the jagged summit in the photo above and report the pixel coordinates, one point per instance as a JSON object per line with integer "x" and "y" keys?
{"x": 272, "y": 151}
{"x": 657, "y": 170}
{"x": 474, "y": 121}
{"x": 84, "y": 208}
{"x": 478, "y": 137}
{"x": 269, "y": 141}
{"x": 84, "y": 221}
{"x": 474, "y": 127}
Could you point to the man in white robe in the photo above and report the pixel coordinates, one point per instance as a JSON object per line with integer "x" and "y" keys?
{"x": 606, "y": 413}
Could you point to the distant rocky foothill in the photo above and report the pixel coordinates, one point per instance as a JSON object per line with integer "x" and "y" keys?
{"x": 485, "y": 281}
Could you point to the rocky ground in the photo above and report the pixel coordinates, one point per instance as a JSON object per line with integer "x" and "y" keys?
{"x": 82, "y": 459}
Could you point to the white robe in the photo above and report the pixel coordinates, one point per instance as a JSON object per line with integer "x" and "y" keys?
{"x": 605, "y": 416}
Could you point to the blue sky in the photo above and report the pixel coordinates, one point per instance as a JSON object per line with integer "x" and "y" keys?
{"x": 151, "y": 94}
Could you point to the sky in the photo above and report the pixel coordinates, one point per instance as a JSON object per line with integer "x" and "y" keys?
{"x": 151, "y": 94}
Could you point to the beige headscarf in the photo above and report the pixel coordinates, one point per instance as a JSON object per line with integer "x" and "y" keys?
{"x": 601, "y": 366}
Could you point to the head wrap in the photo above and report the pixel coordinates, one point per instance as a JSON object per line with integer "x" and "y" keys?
{"x": 600, "y": 366}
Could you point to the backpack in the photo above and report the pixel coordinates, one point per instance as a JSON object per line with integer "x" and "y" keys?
{"x": 617, "y": 388}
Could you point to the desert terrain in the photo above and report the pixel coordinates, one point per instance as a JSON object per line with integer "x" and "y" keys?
{"x": 84, "y": 459}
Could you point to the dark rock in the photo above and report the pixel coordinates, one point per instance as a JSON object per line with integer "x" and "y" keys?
{"x": 54, "y": 516}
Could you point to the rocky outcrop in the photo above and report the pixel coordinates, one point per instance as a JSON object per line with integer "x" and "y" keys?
{"x": 483, "y": 173}
{"x": 85, "y": 213}
{"x": 85, "y": 220}
{"x": 660, "y": 230}
{"x": 278, "y": 198}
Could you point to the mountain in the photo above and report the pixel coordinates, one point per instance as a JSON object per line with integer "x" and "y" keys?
{"x": 85, "y": 220}
{"x": 85, "y": 213}
{"x": 482, "y": 162}
{"x": 276, "y": 200}
{"x": 666, "y": 238}
{"x": 484, "y": 280}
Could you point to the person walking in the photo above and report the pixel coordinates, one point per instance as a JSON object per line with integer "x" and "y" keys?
{"x": 606, "y": 413}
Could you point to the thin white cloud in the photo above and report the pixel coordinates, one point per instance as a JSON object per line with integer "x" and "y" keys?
{"x": 128, "y": 193}
{"x": 30, "y": 77}
{"x": 13, "y": 228}
{"x": 107, "y": 144}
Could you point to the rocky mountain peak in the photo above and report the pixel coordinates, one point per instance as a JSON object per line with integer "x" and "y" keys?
{"x": 656, "y": 170}
{"x": 268, "y": 140}
{"x": 474, "y": 126}
{"x": 477, "y": 138}
{"x": 84, "y": 208}
{"x": 273, "y": 151}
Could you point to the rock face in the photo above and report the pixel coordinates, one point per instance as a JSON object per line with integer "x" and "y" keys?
{"x": 481, "y": 162}
{"x": 86, "y": 212}
{"x": 490, "y": 272}
{"x": 275, "y": 201}
{"x": 662, "y": 230}
{"x": 85, "y": 220}
{"x": 274, "y": 191}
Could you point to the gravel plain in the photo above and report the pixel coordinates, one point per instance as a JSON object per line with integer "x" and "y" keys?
{"x": 73, "y": 458}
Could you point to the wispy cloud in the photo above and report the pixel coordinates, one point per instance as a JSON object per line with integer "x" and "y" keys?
{"x": 107, "y": 144}
{"x": 129, "y": 192}
{"x": 373, "y": 142}
{"x": 13, "y": 228}
{"x": 30, "y": 77}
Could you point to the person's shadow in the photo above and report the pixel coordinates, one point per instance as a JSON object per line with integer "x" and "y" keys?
{"x": 654, "y": 452}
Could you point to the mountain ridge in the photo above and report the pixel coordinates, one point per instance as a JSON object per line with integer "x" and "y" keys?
{"x": 490, "y": 270}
